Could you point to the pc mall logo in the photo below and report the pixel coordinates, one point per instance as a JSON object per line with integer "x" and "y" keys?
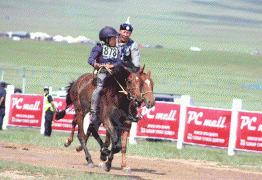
{"x": 18, "y": 104}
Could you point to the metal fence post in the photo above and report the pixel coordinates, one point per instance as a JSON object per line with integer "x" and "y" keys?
{"x": 2, "y": 74}
{"x": 24, "y": 80}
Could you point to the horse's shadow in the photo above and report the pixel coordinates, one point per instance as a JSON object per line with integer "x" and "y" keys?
{"x": 140, "y": 170}
{"x": 133, "y": 169}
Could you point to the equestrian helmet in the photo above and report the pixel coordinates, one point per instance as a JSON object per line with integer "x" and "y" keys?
{"x": 107, "y": 32}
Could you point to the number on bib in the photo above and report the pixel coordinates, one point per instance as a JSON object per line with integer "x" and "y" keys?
{"x": 110, "y": 52}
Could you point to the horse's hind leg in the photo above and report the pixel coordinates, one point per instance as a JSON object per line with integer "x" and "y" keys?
{"x": 81, "y": 136}
{"x": 71, "y": 137}
{"x": 93, "y": 129}
{"x": 79, "y": 148}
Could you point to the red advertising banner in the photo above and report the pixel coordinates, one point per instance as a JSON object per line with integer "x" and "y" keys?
{"x": 64, "y": 124}
{"x": 26, "y": 110}
{"x": 249, "y": 131}
{"x": 207, "y": 126}
{"x": 162, "y": 121}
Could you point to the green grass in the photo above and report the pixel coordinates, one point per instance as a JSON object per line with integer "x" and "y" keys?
{"x": 211, "y": 25}
{"x": 226, "y": 32}
{"x": 144, "y": 148}
{"x": 42, "y": 172}
{"x": 211, "y": 78}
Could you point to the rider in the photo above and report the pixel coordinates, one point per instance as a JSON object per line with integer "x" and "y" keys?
{"x": 130, "y": 56}
{"x": 105, "y": 56}
{"x": 129, "y": 48}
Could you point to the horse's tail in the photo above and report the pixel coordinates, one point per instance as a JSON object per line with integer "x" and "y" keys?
{"x": 61, "y": 114}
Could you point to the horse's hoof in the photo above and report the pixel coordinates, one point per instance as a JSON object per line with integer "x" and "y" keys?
{"x": 127, "y": 169}
{"x": 102, "y": 166}
{"x": 91, "y": 165}
{"x": 103, "y": 158}
{"x": 79, "y": 148}
{"x": 67, "y": 143}
{"x": 117, "y": 149}
{"x": 107, "y": 167}
{"x": 105, "y": 152}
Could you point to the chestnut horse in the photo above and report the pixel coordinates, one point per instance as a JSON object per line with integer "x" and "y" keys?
{"x": 114, "y": 107}
{"x": 149, "y": 100}
{"x": 146, "y": 88}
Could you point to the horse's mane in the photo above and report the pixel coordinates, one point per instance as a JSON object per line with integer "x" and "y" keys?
{"x": 120, "y": 75}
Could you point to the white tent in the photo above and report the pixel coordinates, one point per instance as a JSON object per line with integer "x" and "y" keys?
{"x": 58, "y": 38}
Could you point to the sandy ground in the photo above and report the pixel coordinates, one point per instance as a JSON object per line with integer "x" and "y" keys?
{"x": 142, "y": 168}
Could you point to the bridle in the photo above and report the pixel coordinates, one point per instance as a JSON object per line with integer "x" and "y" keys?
{"x": 142, "y": 94}
{"x": 129, "y": 93}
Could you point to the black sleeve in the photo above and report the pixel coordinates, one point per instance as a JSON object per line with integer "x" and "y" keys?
{"x": 96, "y": 51}
{"x": 50, "y": 99}
{"x": 130, "y": 66}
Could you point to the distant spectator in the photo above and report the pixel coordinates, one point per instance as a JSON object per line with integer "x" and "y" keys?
{"x": 50, "y": 110}
{"x": 2, "y": 102}
{"x": 17, "y": 90}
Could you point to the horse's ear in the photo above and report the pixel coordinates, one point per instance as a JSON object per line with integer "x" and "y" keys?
{"x": 141, "y": 70}
{"x": 148, "y": 73}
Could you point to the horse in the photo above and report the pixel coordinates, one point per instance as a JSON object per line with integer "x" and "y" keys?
{"x": 146, "y": 84}
{"x": 149, "y": 100}
{"x": 114, "y": 106}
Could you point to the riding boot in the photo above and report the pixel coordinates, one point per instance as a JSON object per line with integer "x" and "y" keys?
{"x": 95, "y": 103}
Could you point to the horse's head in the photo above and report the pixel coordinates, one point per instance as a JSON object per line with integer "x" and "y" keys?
{"x": 147, "y": 88}
{"x": 133, "y": 84}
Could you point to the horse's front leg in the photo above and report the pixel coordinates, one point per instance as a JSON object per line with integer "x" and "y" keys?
{"x": 124, "y": 166}
{"x": 71, "y": 136}
{"x": 105, "y": 151}
{"x": 114, "y": 137}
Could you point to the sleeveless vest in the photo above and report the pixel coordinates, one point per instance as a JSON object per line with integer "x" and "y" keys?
{"x": 47, "y": 104}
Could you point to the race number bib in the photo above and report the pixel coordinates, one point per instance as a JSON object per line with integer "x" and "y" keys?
{"x": 110, "y": 52}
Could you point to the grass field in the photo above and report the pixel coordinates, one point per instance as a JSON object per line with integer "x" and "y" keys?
{"x": 231, "y": 25}
{"x": 227, "y": 31}
{"x": 212, "y": 79}
{"x": 27, "y": 171}
{"x": 144, "y": 148}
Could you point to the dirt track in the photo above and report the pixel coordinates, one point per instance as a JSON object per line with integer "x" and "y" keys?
{"x": 142, "y": 168}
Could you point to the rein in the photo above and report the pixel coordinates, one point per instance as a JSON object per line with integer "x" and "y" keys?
{"x": 110, "y": 72}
